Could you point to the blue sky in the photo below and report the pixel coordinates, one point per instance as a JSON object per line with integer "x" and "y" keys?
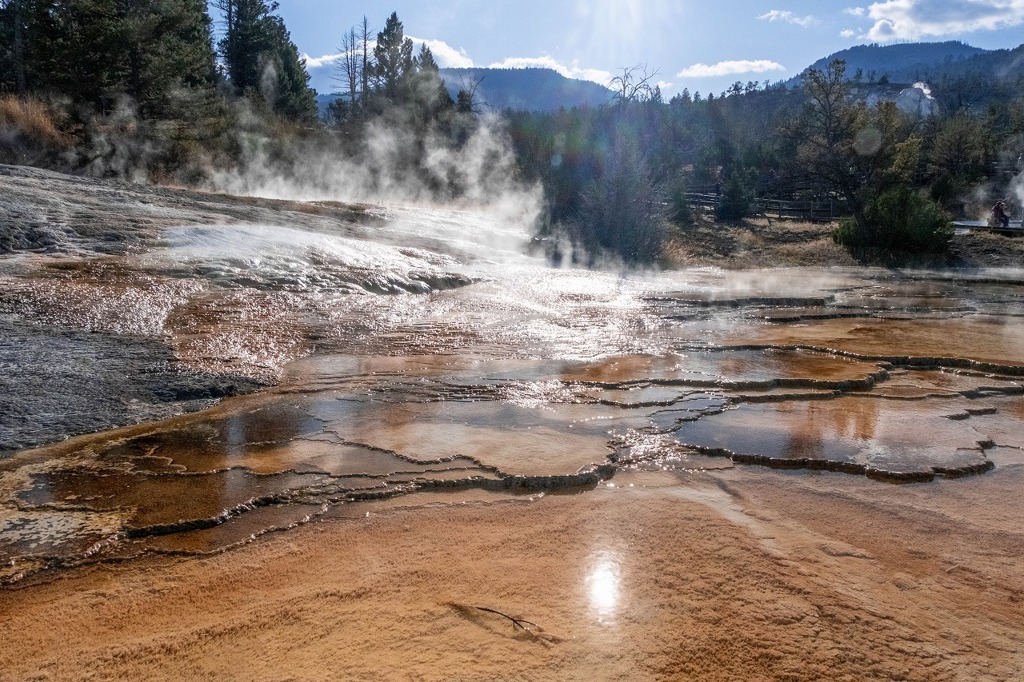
{"x": 704, "y": 46}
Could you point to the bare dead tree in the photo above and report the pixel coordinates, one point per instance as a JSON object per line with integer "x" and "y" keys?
{"x": 228, "y": 8}
{"x": 466, "y": 100}
{"x": 350, "y": 70}
{"x": 633, "y": 84}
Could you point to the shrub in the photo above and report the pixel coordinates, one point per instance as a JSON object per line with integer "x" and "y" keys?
{"x": 679, "y": 210}
{"x": 736, "y": 199}
{"x": 899, "y": 219}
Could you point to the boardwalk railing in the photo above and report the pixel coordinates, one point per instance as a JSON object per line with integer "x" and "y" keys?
{"x": 820, "y": 209}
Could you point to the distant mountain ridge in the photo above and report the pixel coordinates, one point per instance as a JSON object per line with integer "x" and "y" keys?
{"x": 520, "y": 89}
{"x": 930, "y": 62}
{"x": 526, "y": 89}
{"x": 545, "y": 90}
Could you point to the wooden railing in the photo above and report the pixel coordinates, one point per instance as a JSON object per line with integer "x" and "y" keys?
{"x": 819, "y": 209}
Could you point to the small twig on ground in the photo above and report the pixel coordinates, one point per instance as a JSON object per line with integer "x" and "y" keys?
{"x": 530, "y": 628}
{"x": 516, "y": 622}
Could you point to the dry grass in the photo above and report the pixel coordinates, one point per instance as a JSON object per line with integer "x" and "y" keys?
{"x": 32, "y": 120}
{"x": 756, "y": 243}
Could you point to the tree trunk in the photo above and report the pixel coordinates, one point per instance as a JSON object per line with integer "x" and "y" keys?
{"x": 366, "y": 59}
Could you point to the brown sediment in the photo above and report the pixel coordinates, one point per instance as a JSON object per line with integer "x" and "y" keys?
{"x": 731, "y": 575}
{"x": 977, "y": 342}
{"x": 539, "y": 476}
{"x": 455, "y": 427}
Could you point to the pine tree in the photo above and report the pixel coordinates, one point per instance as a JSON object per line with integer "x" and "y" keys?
{"x": 96, "y": 51}
{"x": 14, "y": 27}
{"x": 261, "y": 59}
{"x": 393, "y": 60}
{"x": 426, "y": 89}
{"x": 167, "y": 47}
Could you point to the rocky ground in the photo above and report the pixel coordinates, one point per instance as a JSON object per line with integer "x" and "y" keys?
{"x": 80, "y": 367}
{"x": 47, "y": 212}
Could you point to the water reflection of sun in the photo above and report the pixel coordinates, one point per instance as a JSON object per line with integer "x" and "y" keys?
{"x": 604, "y": 586}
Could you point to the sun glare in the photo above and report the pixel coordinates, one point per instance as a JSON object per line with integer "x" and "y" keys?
{"x": 620, "y": 28}
{"x": 603, "y": 584}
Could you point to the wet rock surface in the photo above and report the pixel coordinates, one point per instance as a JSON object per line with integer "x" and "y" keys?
{"x": 418, "y": 352}
{"x": 461, "y": 460}
{"x": 80, "y": 382}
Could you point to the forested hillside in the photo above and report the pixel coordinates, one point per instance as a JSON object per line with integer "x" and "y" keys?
{"x": 901, "y": 63}
{"x": 158, "y": 90}
{"x": 620, "y": 178}
{"x": 525, "y": 89}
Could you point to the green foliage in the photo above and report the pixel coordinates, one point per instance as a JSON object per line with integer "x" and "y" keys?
{"x": 622, "y": 210}
{"x": 956, "y": 159}
{"x": 680, "y": 212}
{"x": 827, "y": 135}
{"x": 99, "y": 51}
{"x": 262, "y": 61}
{"x": 737, "y": 198}
{"x": 900, "y": 219}
{"x": 393, "y": 60}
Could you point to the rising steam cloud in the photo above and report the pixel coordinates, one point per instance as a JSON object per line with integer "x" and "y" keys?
{"x": 480, "y": 172}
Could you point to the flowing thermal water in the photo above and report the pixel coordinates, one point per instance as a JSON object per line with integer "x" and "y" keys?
{"x": 423, "y": 356}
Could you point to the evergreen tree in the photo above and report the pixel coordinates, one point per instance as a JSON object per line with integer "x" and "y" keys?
{"x": 167, "y": 47}
{"x": 623, "y": 209}
{"x": 96, "y": 51}
{"x": 736, "y": 198}
{"x": 14, "y": 25}
{"x": 261, "y": 58}
{"x": 392, "y": 60}
{"x": 426, "y": 89}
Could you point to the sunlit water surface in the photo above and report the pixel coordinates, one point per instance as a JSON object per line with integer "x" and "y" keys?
{"x": 428, "y": 358}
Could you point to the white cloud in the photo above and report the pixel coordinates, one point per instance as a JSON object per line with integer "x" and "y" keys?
{"x": 788, "y": 17}
{"x": 320, "y": 62}
{"x": 919, "y": 19}
{"x": 855, "y": 11}
{"x": 665, "y": 85}
{"x": 450, "y": 57}
{"x": 447, "y": 57}
{"x": 729, "y": 68}
{"x": 547, "y": 62}
{"x": 848, "y": 33}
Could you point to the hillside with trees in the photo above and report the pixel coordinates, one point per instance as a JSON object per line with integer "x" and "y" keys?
{"x": 497, "y": 90}
{"x": 146, "y": 91}
{"x": 525, "y": 89}
{"x": 895, "y": 178}
{"x": 900, "y": 63}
